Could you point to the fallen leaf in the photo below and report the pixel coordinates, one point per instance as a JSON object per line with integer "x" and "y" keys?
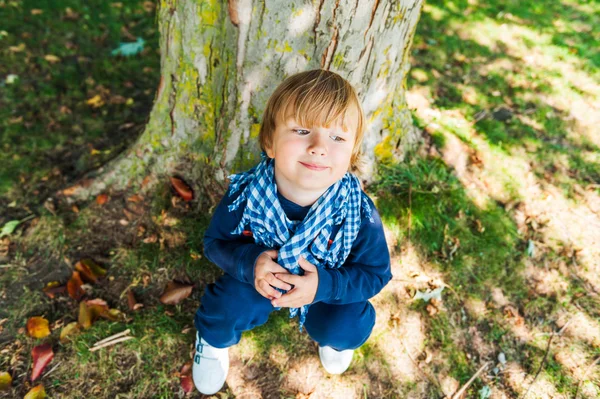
{"x": 67, "y": 330}
{"x": 53, "y": 288}
{"x": 37, "y": 327}
{"x": 17, "y": 49}
{"x": 128, "y": 49}
{"x": 5, "y": 381}
{"x": 131, "y": 301}
{"x": 90, "y": 270}
{"x": 37, "y": 392}
{"x": 135, "y": 198}
{"x": 9, "y": 228}
{"x": 90, "y": 311}
{"x": 185, "y": 377}
{"x": 74, "y": 286}
{"x": 51, "y": 58}
{"x": 150, "y": 239}
{"x": 42, "y": 355}
{"x": 101, "y": 199}
{"x": 175, "y": 293}
{"x": 437, "y": 294}
{"x": 71, "y": 15}
{"x": 182, "y": 188}
{"x": 96, "y": 101}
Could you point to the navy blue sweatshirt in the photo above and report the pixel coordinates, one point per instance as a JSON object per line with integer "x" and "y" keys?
{"x": 365, "y": 272}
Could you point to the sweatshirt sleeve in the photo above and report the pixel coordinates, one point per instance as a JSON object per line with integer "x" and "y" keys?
{"x": 365, "y": 272}
{"x": 236, "y": 254}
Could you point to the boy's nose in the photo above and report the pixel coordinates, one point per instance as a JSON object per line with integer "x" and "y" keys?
{"x": 317, "y": 146}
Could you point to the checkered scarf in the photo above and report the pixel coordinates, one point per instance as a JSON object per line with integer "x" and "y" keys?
{"x": 343, "y": 203}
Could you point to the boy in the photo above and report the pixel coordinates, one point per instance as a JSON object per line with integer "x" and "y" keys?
{"x": 297, "y": 232}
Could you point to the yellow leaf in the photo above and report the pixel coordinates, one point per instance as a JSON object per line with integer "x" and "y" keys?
{"x": 37, "y": 392}
{"x": 5, "y": 381}
{"x": 37, "y": 11}
{"x": 96, "y": 101}
{"x": 37, "y": 327}
{"x": 51, "y": 58}
{"x": 67, "y": 330}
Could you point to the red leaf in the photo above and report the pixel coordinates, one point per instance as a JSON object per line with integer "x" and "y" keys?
{"x": 182, "y": 188}
{"x": 74, "y": 287}
{"x": 175, "y": 293}
{"x": 42, "y": 355}
{"x": 185, "y": 377}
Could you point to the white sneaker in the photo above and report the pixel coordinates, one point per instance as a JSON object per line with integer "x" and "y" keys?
{"x": 210, "y": 367}
{"x": 333, "y": 361}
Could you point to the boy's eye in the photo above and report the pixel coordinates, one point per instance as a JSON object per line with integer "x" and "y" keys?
{"x": 301, "y": 132}
{"x": 337, "y": 138}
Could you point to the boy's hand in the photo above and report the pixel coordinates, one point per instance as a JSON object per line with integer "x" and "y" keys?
{"x": 305, "y": 288}
{"x": 264, "y": 275}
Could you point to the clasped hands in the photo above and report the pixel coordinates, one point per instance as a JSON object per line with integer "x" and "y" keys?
{"x": 301, "y": 289}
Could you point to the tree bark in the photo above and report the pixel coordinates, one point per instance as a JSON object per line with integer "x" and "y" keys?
{"x": 221, "y": 61}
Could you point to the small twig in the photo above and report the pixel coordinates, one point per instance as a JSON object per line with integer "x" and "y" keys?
{"x": 468, "y": 383}
{"x": 595, "y": 362}
{"x": 428, "y": 377}
{"x": 116, "y": 341}
{"x": 52, "y": 369}
{"x": 112, "y": 337}
{"x": 539, "y": 370}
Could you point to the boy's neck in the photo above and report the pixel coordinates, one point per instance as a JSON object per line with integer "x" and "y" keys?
{"x": 299, "y": 197}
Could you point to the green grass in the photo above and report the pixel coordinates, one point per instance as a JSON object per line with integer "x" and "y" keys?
{"x": 49, "y": 130}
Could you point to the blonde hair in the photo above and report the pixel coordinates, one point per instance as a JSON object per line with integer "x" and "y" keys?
{"x": 314, "y": 98}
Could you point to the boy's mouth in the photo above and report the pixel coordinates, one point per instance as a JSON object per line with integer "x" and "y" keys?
{"x": 313, "y": 166}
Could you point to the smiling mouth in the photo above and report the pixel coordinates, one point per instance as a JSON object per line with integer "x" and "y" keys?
{"x": 313, "y": 167}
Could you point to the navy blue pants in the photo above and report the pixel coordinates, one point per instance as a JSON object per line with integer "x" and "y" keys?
{"x": 230, "y": 307}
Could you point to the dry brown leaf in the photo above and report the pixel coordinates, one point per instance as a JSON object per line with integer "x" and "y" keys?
{"x": 51, "y": 58}
{"x": 74, "y": 286}
{"x": 175, "y": 293}
{"x": 90, "y": 270}
{"x": 135, "y": 198}
{"x": 37, "y": 327}
{"x": 37, "y": 392}
{"x": 53, "y": 288}
{"x": 101, "y": 199}
{"x": 42, "y": 355}
{"x": 131, "y": 301}
{"x": 150, "y": 239}
{"x": 36, "y": 11}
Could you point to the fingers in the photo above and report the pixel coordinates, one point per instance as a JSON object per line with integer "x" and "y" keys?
{"x": 271, "y": 253}
{"x": 267, "y": 291}
{"x": 289, "y": 278}
{"x": 306, "y": 265}
{"x": 272, "y": 280}
{"x": 289, "y": 299}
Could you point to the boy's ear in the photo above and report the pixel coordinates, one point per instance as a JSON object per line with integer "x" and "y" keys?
{"x": 269, "y": 151}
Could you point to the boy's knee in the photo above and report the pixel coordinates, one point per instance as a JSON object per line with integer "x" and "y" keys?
{"x": 341, "y": 326}
{"x": 235, "y": 301}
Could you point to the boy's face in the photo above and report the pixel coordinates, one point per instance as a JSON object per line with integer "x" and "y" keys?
{"x": 309, "y": 159}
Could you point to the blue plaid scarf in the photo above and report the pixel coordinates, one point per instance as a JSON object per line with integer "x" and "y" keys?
{"x": 342, "y": 203}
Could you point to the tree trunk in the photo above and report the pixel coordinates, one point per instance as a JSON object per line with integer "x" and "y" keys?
{"x": 220, "y": 62}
